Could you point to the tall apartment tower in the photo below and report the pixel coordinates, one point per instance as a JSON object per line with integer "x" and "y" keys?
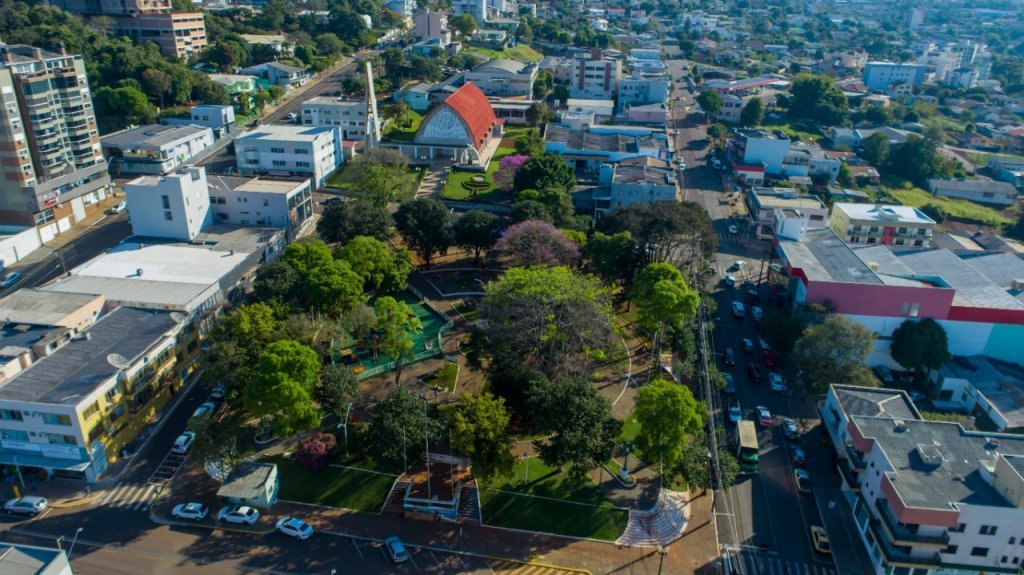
{"x": 179, "y": 34}
{"x": 51, "y": 163}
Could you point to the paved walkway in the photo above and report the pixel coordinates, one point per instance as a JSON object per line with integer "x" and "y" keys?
{"x": 431, "y": 185}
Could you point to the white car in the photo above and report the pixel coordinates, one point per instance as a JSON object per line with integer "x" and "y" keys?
{"x": 218, "y": 392}
{"x": 194, "y": 511}
{"x": 738, "y": 310}
{"x": 294, "y": 527}
{"x": 764, "y": 417}
{"x": 778, "y": 382}
{"x": 803, "y": 481}
{"x": 239, "y": 514}
{"x": 733, "y": 229}
{"x": 730, "y": 280}
{"x": 740, "y": 264}
{"x": 757, "y": 312}
{"x": 764, "y": 344}
{"x": 119, "y": 207}
{"x": 735, "y": 414}
{"x": 204, "y": 410}
{"x": 396, "y": 551}
{"x": 30, "y": 505}
{"x": 184, "y": 443}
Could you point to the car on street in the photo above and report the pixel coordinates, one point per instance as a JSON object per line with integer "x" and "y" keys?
{"x": 769, "y": 359}
{"x": 184, "y": 443}
{"x": 740, "y": 264}
{"x": 789, "y": 429}
{"x": 777, "y": 382}
{"x": 396, "y": 551}
{"x": 30, "y": 505}
{"x": 884, "y": 374}
{"x": 294, "y": 527}
{"x": 194, "y": 511}
{"x": 735, "y": 414}
{"x": 738, "y": 310}
{"x": 803, "y": 481}
{"x": 10, "y": 279}
{"x": 218, "y": 392}
{"x": 729, "y": 356}
{"x": 756, "y": 372}
{"x": 730, "y": 280}
{"x": 240, "y": 514}
{"x": 764, "y": 417}
{"x": 205, "y": 410}
{"x": 118, "y": 208}
{"x": 730, "y": 384}
{"x": 799, "y": 457}
{"x": 733, "y": 229}
{"x": 757, "y": 312}
{"x": 820, "y": 540}
{"x": 748, "y": 345}
{"x": 764, "y": 344}
{"x": 777, "y": 268}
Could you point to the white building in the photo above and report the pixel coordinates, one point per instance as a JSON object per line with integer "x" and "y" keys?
{"x": 154, "y": 149}
{"x": 980, "y": 190}
{"x": 883, "y": 75}
{"x": 640, "y": 89}
{"x": 979, "y": 384}
{"x": 503, "y": 77}
{"x": 261, "y": 202}
{"x": 175, "y": 206}
{"x": 732, "y": 106}
{"x": 348, "y": 115}
{"x": 290, "y": 151}
{"x": 881, "y": 224}
{"x": 595, "y": 79}
{"x": 29, "y": 560}
{"x": 642, "y": 180}
{"x": 475, "y": 8}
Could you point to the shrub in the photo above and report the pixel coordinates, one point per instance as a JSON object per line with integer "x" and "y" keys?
{"x": 316, "y": 451}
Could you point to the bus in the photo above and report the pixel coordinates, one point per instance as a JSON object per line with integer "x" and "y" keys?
{"x": 746, "y": 446}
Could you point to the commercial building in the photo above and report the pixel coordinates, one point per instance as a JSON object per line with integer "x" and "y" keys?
{"x": 585, "y": 148}
{"x": 179, "y": 34}
{"x": 284, "y": 204}
{"x": 981, "y": 387}
{"x": 290, "y": 151}
{"x": 28, "y": 560}
{"x": 1008, "y": 169}
{"x": 503, "y": 77}
{"x": 882, "y": 76}
{"x": 34, "y": 307}
{"x": 762, "y": 203}
{"x": 763, "y": 148}
{"x": 634, "y": 181}
{"x": 925, "y": 496}
{"x": 595, "y": 79}
{"x": 983, "y": 191}
{"x": 52, "y": 170}
{"x": 348, "y": 115}
{"x": 881, "y": 224}
{"x": 174, "y": 206}
{"x": 732, "y": 107}
{"x": 641, "y": 89}
{"x": 154, "y": 148}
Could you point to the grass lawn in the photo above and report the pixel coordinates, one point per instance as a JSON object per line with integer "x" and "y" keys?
{"x": 445, "y": 378}
{"x": 522, "y": 53}
{"x": 470, "y": 312}
{"x": 909, "y": 195}
{"x": 562, "y": 514}
{"x": 805, "y": 131}
{"x": 333, "y": 486}
{"x": 403, "y": 129}
{"x": 453, "y": 189}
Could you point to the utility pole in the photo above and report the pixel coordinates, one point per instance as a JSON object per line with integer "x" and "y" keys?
{"x": 426, "y": 444}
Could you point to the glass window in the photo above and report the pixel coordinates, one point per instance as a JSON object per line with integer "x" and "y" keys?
{"x": 13, "y": 434}
{"x": 11, "y": 415}
{"x": 979, "y": 552}
{"x": 56, "y": 419}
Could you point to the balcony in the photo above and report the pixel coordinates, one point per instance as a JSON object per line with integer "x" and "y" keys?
{"x": 901, "y": 535}
{"x": 900, "y": 558}
{"x": 855, "y": 457}
{"x": 849, "y": 474}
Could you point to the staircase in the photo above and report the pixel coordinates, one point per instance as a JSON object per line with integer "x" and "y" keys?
{"x": 469, "y": 503}
{"x": 396, "y": 499}
{"x": 658, "y": 526}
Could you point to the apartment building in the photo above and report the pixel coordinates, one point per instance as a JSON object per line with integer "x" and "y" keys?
{"x": 155, "y": 148}
{"x": 52, "y": 171}
{"x": 290, "y": 151}
{"x": 503, "y": 77}
{"x": 597, "y": 78}
{"x": 764, "y": 203}
{"x": 882, "y": 76}
{"x": 347, "y": 115}
{"x": 925, "y": 496}
{"x": 432, "y": 25}
{"x": 732, "y": 108}
{"x": 640, "y": 88}
{"x": 179, "y": 34}
{"x": 174, "y": 206}
{"x": 259, "y": 201}
{"x": 881, "y": 224}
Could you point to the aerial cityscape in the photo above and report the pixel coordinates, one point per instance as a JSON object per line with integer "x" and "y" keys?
{"x": 509, "y": 287}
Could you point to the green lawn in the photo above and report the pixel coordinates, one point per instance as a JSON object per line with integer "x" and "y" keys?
{"x": 403, "y": 129}
{"x": 909, "y": 195}
{"x": 575, "y": 506}
{"x": 469, "y": 312}
{"x": 454, "y": 190}
{"x": 333, "y": 486}
{"x": 805, "y": 131}
{"x": 445, "y": 378}
{"x": 523, "y": 53}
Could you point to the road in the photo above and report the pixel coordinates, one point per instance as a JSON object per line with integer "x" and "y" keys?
{"x": 763, "y": 517}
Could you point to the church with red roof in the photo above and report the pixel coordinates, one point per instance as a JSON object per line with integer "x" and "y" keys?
{"x": 463, "y": 127}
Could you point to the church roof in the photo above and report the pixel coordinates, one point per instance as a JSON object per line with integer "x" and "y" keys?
{"x": 475, "y": 110}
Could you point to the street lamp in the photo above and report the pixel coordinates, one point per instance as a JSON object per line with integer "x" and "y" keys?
{"x": 663, "y": 551}
{"x": 628, "y": 447}
{"x": 526, "y": 471}
{"x": 73, "y": 541}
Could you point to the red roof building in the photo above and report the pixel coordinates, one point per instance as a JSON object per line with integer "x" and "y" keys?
{"x": 465, "y": 118}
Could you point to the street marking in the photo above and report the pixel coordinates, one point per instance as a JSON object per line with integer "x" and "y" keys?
{"x": 413, "y": 560}
{"x": 358, "y": 550}
{"x": 436, "y": 560}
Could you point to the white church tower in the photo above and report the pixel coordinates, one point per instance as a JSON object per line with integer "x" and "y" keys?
{"x": 372, "y": 118}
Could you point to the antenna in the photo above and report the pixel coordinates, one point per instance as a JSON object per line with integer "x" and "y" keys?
{"x": 119, "y": 361}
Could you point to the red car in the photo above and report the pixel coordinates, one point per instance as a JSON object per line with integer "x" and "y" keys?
{"x": 769, "y": 360}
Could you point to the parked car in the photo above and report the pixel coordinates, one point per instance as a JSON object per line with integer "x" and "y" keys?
{"x": 396, "y": 551}
{"x": 184, "y": 443}
{"x": 10, "y": 279}
{"x": 884, "y": 374}
{"x": 733, "y": 229}
{"x": 917, "y": 395}
{"x": 799, "y": 457}
{"x": 730, "y": 385}
{"x": 789, "y": 429}
{"x": 119, "y": 207}
{"x": 764, "y": 344}
{"x": 194, "y": 511}
{"x": 820, "y": 540}
{"x": 294, "y": 527}
{"x": 205, "y": 410}
{"x": 730, "y": 280}
{"x": 769, "y": 359}
{"x": 218, "y": 392}
{"x": 777, "y": 382}
{"x": 755, "y": 372}
{"x": 738, "y": 310}
{"x": 748, "y": 345}
{"x": 729, "y": 357}
{"x": 803, "y": 481}
{"x": 30, "y": 505}
{"x": 735, "y": 414}
{"x": 740, "y": 264}
{"x": 777, "y": 268}
{"x": 764, "y": 417}
{"x": 757, "y": 312}
{"x": 240, "y": 514}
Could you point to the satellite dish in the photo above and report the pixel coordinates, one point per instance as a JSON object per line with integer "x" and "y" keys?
{"x": 178, "y": 317}
{"x": 119, "y": 361}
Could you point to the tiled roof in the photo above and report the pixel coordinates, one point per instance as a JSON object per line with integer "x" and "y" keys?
{"x": 248, "y": 481}
{"x": 472, "y": 106}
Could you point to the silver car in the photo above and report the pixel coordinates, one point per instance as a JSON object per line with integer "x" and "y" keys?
{"x": 30, "y": 505}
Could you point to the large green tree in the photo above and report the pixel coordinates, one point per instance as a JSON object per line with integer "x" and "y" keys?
{"x": 920, "y": 344}
{"x": 612, "y": 257}
{"x": 668, "y": 416}
{"x": 238, "y": 341}
{"x": 477, "y": 230}
{"x": 752, "y": 113}
{"x": 400, "y": 429}
{"x": 282, "y": 387}
{"x": 543, "y": 172}
{"x": 480, "y": 432}
{"x": 342, "y": 221}
{"x": 276, "y": 282}
{"x": 663, "y": 298}
{"x": 335, "y": 287}
{"x": 336, "y": 387}
{"x": 382, "y": 270}
{"x": 425, "y": 225}
{"x": 816, "y": 97}
{"x": 834, "y": 352}
{"x": 680, "y": 230}
{"x": 876, "y": 149}
{"x": 396, "y": 323}
{"x": 580, "y": 421}
{"x": 711, "y": 102}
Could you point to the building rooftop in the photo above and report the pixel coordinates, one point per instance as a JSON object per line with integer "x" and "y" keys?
{"x": 154, "y": 136}
{"x": 261, "y": 185}
{"x": 977, "y": 185}
{"x": 944, "y": 268}
{"x": 875, "y": 402}
{"x": 30, "y": 560}
{"x": 768, "y": 198}
{"x": 824, "y": 256}
{"x": 73, "y": 371}
{"x": 644, "y": 170}
{"x": 587, "y": 140}
{"x": 21, "y": 53}
{"x": 277, "y": 132}
{"x": 1001, "y": 383}
{"x": 505, "y": 65}
{"x": 247, "y": 481}
{"x": 883, "y": 213}
{"x": 333, "y": 101}
{"x": 38, "y": 307}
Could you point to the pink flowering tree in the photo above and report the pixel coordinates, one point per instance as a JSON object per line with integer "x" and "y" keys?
{"x": 536, "y": 242}
{"x": 507, "y": 168}
{"x": 315, "y": 452}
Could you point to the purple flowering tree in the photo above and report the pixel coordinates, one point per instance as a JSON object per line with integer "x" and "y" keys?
{"x": 536, "y": 242}
{"x": 507, "y": 168}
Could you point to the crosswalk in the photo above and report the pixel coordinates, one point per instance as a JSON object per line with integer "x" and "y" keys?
{"x": 752, "y": 563}
{"x": 129, "y": 496}
{"x": 516, "y": 568}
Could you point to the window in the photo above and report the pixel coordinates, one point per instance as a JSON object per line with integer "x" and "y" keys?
{"x": 1013, "y": 540}
{"x": 302, "y": 164}
{"x": 276, "y": 150}
{"x": 13, "y": 434}
{"x": 56, "y": 419}
{"x": 979, "y": 551}
{"x": 165, "y": 201}
{"x": 988, "y": 530}
{"x": 91, "y": 410}
{"x": 303, "y": 151}
{"x": 11, "y": 415}
{"x": 58, "y": 439}
{"x": 168, "y": 216}
{"x": 951, "y": 549}
{"x": 279, "y": 163}
{"x": 266, "y": 203}
{"x": 960, "y": 527}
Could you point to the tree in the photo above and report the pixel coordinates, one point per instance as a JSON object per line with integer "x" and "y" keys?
{"x": 282, "y": 387}
{"x": 680, "y": 230}
{"x": 530, "y": 144}
{"x": 920, "y": 344}
{"x": 915, "y": 160}
{"x": 507, "y": 168}
{"x": 543, "y": 172}
{"x": 342, "y": 221}
{"x": 663, "y": 298}
{"x": 477, "y": 230}
{"x": 834, "y": 352}
{"x": 711, "y": 102}
{"x": 120, "y": 107}
{"x": 276, "y": 281}
{"x": 558, "y": 204}
{"x": 580, "y": 421}
{"x": 781, "y": 330}
{"x": 752, "y": 113}
{"x": 305, "y": 256}
{"x": 425, "y": 225}
{"x": 335, "y": 287}
{"x": 717, "y": 131}
{"x": 329, "y": 44}
{"x": 536, "y": 242}
{"x": 315, "y": 451}
{"x": 380, "y": 184}
{"x": 668, "y": 415}
{"x": 612, "y": 257}
{"x": 353, "y": 85}
{"x": 157, "y": 82}
{"x": 547, "y": 317}
{"x": 464, "y": 23}
{"x": 539, "y": 113}
{"x": 336, "y": 387}
{"x": 381, "y": 269}
{"x": 815, "y": 96}
{"x": 480, "y": 432}
{"x": 223, "y": 441}
{"x": 876, "y": 149}
{"x": 400, "y": 428}
{"x": 396, "y": 323}
{"x": 238, "y": 341}
{"x": 523, "y": 210}
{"x": 844, "y": 177}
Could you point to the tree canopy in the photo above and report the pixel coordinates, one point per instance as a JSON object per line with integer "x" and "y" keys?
{"x": 400, "y": 428}
{"x": 711, "y": 102}
{"x": 920, "y": 344}
{"x": 834, "y": 352}
{"x": 381, "y": 269}
{"x": 668, "y": 416}
{"x": 815, "y": 96}
{"x": 662, "y": 297}
{"x": 395, "y": 325}
{"x": 425, "y": 225}
{"x": 535, "y": 242}
{"x": 480, "y": 432}
{"x": 282, "y": 387}
{"x": 477, "y": 230}
{"x": 752, "y": 113}
{"x": 544, "y": 171}
{"x": 580, "y": 421}
{"x": 342, "y": 221}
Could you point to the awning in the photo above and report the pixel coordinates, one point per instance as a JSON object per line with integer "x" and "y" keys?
{"x": 29, "y": 460}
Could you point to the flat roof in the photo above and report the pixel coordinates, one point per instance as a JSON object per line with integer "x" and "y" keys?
{"x": 288, "y": 133}
{"x": 824, "y": 256}
{"x": 167, "y": 262}
{"x": 1002, "y": 383}
{"x": 155, "y": 136}
{"x": 587, "y": 140}
{"x": 75, "y": 370}
{"x": 973, "y": 289}
{"x": 38, "y": 307}
{"x": 767, "y": 198}
{"x": 260, "y": 185}
{"x": 883, "y": 213}
{"x": 29, "y": 560}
